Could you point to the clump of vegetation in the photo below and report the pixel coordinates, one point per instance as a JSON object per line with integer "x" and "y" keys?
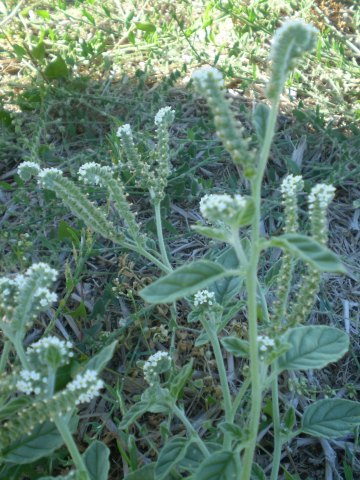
{"x": 226, "y": 329}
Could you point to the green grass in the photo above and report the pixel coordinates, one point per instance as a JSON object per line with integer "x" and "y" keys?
{"x": 119, "y": 62}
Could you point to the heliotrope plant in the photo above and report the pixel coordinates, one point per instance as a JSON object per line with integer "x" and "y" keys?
{"x": 36, "y": 417}
{"x": 277, "y": 339}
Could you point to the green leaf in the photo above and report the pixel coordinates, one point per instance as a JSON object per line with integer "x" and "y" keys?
{"x": 202, "y": 339}
{"x": 89, "y": 17}
{"x": 99, "y": 361}
{"x": 56, "y": 69}
{"x": 184, "y": 281}
{"x": 43, "y": 14}
{"x": 194, "y": 456}
{"x": 211, "y": 232}
{"x": 219, "y": 466}
{"x": 147, "y": 472}
{"x": 331, "y": 418}
{"x": 13, "y": 406}
{"x": 178, "y": 382}
{"x": 42, "y": 441}
{"x": 236, "y": 346}
{"x": 19, "y": 50}
{"x": 312, "y": 252}
{"x": 289, "y": 418}
{"x": 312, "y": 346}
{"x": 170, "y": 455}
{"x": 96, "y": 458}
{"x": 260, "y": 118}
{"x": 226, "y": 288}
{"x": 257, "y": 473}
{"x": 145, "y": 27}
{"x": 38, "y": 52}
{"x": 134, "y": 412}
{"x": 235, "y": 431}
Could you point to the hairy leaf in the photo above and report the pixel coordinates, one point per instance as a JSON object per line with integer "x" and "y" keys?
{"x": 219, "y": 466}
{"x": 307, "y": 249}
{"x": 184, "y": 281}
{"x": 331, "y": 418}
{"x": 96, "y": 458}
{"x": 312, "y": 346}
{"x": 170, "y": 455}
{"x": 236, "y": 346}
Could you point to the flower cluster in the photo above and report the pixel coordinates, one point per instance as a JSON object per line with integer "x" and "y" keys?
{"x": 265, "y": 343}
{"x": 124, "y": 130}
{"x": 319, "y": 199}
{"x": 291, "y": 185}
{"x": 209, "y": 82}
{"x": 157, "y": 363}
{"x": 47, "y": 176}
{"x": 48, "y": 274}
{"x": 87, "y": 385}
{"x": 291, "y": 41}
{"x": 164, "y": 115}
{"x": 31, "y": 382}
{"x": 88, "y": 173}
{"x": 224, "y": 207}
{"x": 51, "y": 351}
{"x": 204, "y": 297}
{"x": 28, "y": 169}
{"x": 46, "y": 297}
{"x": 321, "y": 195}
{"x": 203, "y": 74}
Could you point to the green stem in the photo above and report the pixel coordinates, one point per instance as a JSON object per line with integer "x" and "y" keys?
{"x": 239, "y": 397}
{"x": 20, "y": 351}
{"x": 241, "y": 255}
{"x": 277, "y": 430}
{"x": 181, "y": 416}
{"x": 140, "y": 249}
{"x": 160, "y": 235}
{"x": 4, "y": 355}
{"x": 51, "y": 382}
{"x": 251, "y": 284}
{"x": 66, "y": 435}
{"x": 210, "y": 328}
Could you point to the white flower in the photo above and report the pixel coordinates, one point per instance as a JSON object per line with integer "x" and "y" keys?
{"x": 44, "y": 268}
{"x": 322, "y": 195}
{"x": 88, "y": 384}
{"x": 27, "y": 169}
{"x": 47, "y": 297}
{"x": 204, "y": 297}
{"x": 28, "y": 382}
{"x": 202, "y": 75}
{"x": 44, "y": 346}
{"x": 291, "y": 185}
{"x": 265, "y": 343}
{"x": 89, "y": 173}
{"x": 157, "y": 363}
{"x": 124, "y": 129}
{"x": 164, "y": 113}
{"x": 221, "y": 207}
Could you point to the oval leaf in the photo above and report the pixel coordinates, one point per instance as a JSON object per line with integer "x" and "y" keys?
{"x": 170, "y": 455}
{"x": 99, "y": 361}
{"x": 220, "y": 466}
{"x": 331, "y": 418}
{"x": 211, "y": 232}
{"x": 184, "y": 281}
{"x": 133, "y": 413}
{"x": 96, "y": 458}
{"x": 236, "y": 346}
{"x": 312, "y": 252}
{"x": 312, "y": 346}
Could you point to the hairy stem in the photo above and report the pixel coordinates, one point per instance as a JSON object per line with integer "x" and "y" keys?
{"x": 277, "y": 430}
{"x": 66, "y": 435}
{"x": 160, "y": 235}
{"x": 4, "y": 355}
{"x": 211, "y": 331}
{"x": 181, "y": 416}
{"x": 251, "y": 284}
